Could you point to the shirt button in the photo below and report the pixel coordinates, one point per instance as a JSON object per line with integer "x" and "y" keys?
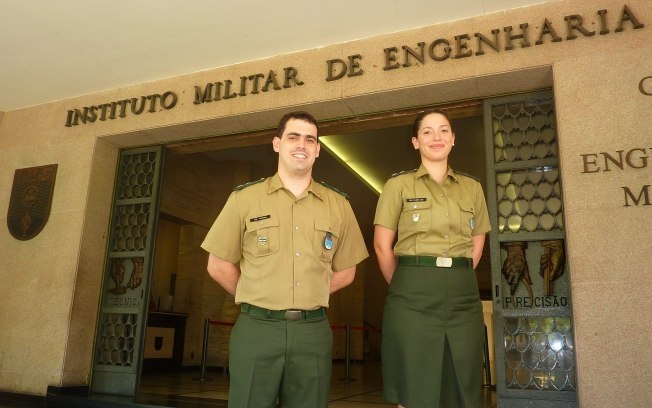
{"x": 445, "y": 253}
{"x": 298, "y": 283}
{"x": 446, "y": 214}
{"x": 445, "y": 236}
{"x": 297, "y": 254}
{"x": 415, "y": 206}
{"x": 296, "y": 228}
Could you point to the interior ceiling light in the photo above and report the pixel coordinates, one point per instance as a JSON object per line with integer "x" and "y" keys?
{"x": 337, "y": 148}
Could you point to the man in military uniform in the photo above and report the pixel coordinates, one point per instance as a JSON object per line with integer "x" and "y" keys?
{"x": 281, "y": 245}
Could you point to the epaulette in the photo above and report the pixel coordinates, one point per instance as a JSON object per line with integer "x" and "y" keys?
{"x": 402, "y": 172}
{"x": 251, "y": 183}
{"x": 467, "y": 175}
{"x": 335, "y": 189}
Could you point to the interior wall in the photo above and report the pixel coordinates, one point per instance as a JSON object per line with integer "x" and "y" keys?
{"x": 166, "y": 258}
{"x": 347, "y": 307}
{"x": 192, "y": 285}
{"x": 375, "y": 289}
{"x": 194, "y": 190}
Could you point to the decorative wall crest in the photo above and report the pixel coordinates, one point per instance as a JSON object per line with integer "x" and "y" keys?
{"x": 31, "y": 200}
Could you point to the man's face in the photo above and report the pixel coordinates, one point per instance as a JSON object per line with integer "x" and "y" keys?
{"x": 297, "y": 147}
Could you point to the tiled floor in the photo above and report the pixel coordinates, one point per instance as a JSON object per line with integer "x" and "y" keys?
{"x": 183, "y": 389}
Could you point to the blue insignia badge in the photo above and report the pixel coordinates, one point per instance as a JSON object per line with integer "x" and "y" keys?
{"x": 328, "y": 241}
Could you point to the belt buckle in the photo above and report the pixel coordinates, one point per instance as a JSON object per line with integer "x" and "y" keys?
{"x": 292, "y": 314}
{"x": 443, "y": 262}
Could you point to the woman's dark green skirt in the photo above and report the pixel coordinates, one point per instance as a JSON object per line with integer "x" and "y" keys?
{"x": 433, "y": 336}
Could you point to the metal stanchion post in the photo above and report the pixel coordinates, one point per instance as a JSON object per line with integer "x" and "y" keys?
{"x": 347, "y": 352}
{"x": 204, "y": 352}
{"x": 487, "y": 363}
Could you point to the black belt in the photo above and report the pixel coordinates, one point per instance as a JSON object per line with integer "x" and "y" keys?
{"x": 441, "y": 262}
{"x": 289, "y": 314}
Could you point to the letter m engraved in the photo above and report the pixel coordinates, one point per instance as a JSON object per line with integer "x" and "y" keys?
{"x": 644, "y": 195}
{"x": 206, "y": 96}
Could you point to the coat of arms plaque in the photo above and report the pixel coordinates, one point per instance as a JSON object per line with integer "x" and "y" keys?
{"x": 30, "y": 202}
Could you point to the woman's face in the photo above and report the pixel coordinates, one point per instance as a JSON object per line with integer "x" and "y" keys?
{"x": 435, "y": 138}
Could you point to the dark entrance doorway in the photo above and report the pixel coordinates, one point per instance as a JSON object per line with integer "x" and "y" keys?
{"x": 358, "y": 156}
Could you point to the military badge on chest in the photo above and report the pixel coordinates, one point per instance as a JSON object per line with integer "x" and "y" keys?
{"x": 411, "y": 202}
{"x": 328, "y": 241}
{"x": 262, "y": 239}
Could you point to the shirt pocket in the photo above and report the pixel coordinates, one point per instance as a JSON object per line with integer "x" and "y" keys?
{"x": 416, "y": 216}
{"x": 326, "y": 240}
{"x": 262, "y": 236}
{"x": 467, "y": 217}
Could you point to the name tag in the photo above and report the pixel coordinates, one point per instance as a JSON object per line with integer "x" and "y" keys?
{"x": 443, "y": 262}
{"x": 415, "y": 199}
{"x": 262, "y": 217}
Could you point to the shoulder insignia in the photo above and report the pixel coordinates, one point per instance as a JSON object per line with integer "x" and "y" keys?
{"x": 245, "y": 185}
{"x": 467, "y": 175}
{"x": 334, "y": 189}
{"x": 402, "y": 172}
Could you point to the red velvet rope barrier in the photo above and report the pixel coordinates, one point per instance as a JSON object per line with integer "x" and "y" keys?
{"x": 215, "y": 322}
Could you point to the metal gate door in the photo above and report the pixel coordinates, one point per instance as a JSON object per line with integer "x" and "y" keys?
{"x": 535, "y": 352}
{"x": 125, "y": 290}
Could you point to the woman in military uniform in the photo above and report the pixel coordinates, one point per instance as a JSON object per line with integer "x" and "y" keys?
{"x": 432, "y": 325}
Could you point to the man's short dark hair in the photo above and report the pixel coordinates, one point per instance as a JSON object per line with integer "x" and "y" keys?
{"x": 301, "y": 115}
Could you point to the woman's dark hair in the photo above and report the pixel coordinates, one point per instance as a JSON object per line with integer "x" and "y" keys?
{"x": 301, "y": 115}
{"x": 417, "y": 121}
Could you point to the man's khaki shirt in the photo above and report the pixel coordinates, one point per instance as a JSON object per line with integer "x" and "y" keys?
{"x": 287, "y": 248}
{"x": 433, "y": 219}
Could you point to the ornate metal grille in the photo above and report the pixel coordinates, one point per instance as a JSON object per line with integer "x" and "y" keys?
{"x": 539, "y": 353}
{"x": 116, "y": 341}
{"x": 535, "y": 349}
{"x": 136, "y": 175}
{"x": 529, "y": 200}
{"x": 524, "y": 130}
{"x": 122, "y": 319}
{"x": 130, "y": 228}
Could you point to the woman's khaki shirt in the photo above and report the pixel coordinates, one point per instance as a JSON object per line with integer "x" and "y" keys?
{"x": 431, "y": 218}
